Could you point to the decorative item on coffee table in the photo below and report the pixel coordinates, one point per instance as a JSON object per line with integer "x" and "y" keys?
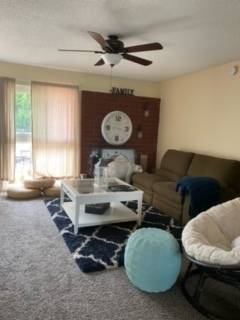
{"x": 121, "y": 188}
{"x": 97, "y": 208}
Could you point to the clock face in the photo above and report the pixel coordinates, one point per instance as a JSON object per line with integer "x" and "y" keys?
{"x": 116, "y": 127}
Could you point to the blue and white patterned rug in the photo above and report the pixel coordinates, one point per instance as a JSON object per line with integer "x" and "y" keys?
{"x": 102, "y": 247}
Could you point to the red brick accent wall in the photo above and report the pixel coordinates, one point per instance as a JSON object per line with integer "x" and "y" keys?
{"x": 96, "y": 105}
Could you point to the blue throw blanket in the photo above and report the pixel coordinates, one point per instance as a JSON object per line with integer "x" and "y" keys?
{"x": 204, "y": 193}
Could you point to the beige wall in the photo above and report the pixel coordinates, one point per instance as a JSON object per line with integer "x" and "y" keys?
{"x": 201, "y": 112}
{"x": 84, "y": 81}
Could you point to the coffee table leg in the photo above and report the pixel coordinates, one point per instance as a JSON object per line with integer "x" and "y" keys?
{"x": 139, "y": 209}
{"x": 61, "y": 196}
{"x": 76, "y": 220}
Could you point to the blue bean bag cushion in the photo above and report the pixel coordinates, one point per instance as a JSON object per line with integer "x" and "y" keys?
{"x": 152, "y": 259}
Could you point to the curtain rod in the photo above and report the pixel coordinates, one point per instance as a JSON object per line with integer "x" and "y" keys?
{"x": 6, "y": 78}
{"x": 28, "y": 82}
{"x": 55, "y": 84}
{"x": 20, "y": 81}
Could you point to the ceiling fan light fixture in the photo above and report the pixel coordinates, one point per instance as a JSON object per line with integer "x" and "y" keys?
{"x": 114, "y": 50}
{"x": 111, "y": 58}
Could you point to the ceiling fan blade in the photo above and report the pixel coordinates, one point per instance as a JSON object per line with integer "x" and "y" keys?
{"x": 99, "y": 38}
{"x": 100, "y": 62}
{"x": 135, "y": 59}
{"x": 76, "y": 50}
{"x": 144, "y": 47}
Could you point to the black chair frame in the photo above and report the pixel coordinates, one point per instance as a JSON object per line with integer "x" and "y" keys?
{"x": 227, "y": 274}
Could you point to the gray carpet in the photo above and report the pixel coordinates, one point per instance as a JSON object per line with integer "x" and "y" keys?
{"x": 40, "y": 280}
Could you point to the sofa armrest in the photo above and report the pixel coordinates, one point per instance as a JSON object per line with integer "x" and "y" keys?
{"x": 185, "y": 210}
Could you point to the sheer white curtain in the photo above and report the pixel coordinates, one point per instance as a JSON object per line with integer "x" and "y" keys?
{"x": 55, "y": 130}
{"x": 7, "y": 129}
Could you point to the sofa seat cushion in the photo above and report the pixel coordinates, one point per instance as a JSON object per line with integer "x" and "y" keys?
{"x": 146, "y": 180}
{"x": 167, "y": 190}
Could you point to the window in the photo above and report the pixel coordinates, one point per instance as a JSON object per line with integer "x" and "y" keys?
{"x": 55, "y": 132}
{"x": 47, "y": 130}
{"x": 23, "y": 125}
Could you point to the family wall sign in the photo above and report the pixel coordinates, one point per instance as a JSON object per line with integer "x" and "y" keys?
{"x": 122, "y": 91}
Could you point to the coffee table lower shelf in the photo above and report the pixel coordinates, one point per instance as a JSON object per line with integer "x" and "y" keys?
{"x": 117, "y": 213}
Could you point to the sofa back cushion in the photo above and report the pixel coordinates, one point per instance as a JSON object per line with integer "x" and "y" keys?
{"x": 225, "y": 171}
{"x": 174, "y": 165}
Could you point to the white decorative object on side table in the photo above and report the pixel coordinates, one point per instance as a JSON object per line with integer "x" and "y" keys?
{"x": 82, "y": 192}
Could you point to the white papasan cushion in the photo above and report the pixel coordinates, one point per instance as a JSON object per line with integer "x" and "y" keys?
{"x": 236, "y": 242}
{"x": 211, "y": 236}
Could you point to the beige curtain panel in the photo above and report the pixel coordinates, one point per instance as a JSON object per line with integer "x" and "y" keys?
{"x": 55, "y": 130}
{"x": 7, "y": 129}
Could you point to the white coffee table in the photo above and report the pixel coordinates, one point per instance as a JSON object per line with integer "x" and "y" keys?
{"x": 84, "y": 191}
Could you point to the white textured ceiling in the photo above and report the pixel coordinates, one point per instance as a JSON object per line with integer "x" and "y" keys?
{"x": 195, "y": 34}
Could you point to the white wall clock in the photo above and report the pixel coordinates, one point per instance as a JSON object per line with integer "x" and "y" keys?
{"x": 116, "y": 127}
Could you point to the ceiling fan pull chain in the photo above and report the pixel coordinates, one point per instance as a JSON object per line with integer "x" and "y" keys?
{"x": 111, "y": 78}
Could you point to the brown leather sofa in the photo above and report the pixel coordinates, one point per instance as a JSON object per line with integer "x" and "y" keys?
{"x": 159, "y": 187}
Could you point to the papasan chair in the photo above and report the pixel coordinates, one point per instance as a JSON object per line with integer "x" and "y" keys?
{"x": 211, "y": 242}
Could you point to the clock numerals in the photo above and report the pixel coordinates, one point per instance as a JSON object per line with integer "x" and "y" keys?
{"x": 108, "y": 127}
{"x": 118, "y": 118}
{"x": 126, "y": 129}
{"x": 116, "y": 138}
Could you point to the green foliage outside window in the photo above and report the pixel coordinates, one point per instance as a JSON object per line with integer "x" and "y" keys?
{"x": 23, "y": 112}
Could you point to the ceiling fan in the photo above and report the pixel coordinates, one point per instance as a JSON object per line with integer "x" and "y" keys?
{"x": 114, "y": 50}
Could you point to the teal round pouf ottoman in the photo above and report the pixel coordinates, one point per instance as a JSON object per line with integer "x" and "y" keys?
{"x": 152, "y": 259}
